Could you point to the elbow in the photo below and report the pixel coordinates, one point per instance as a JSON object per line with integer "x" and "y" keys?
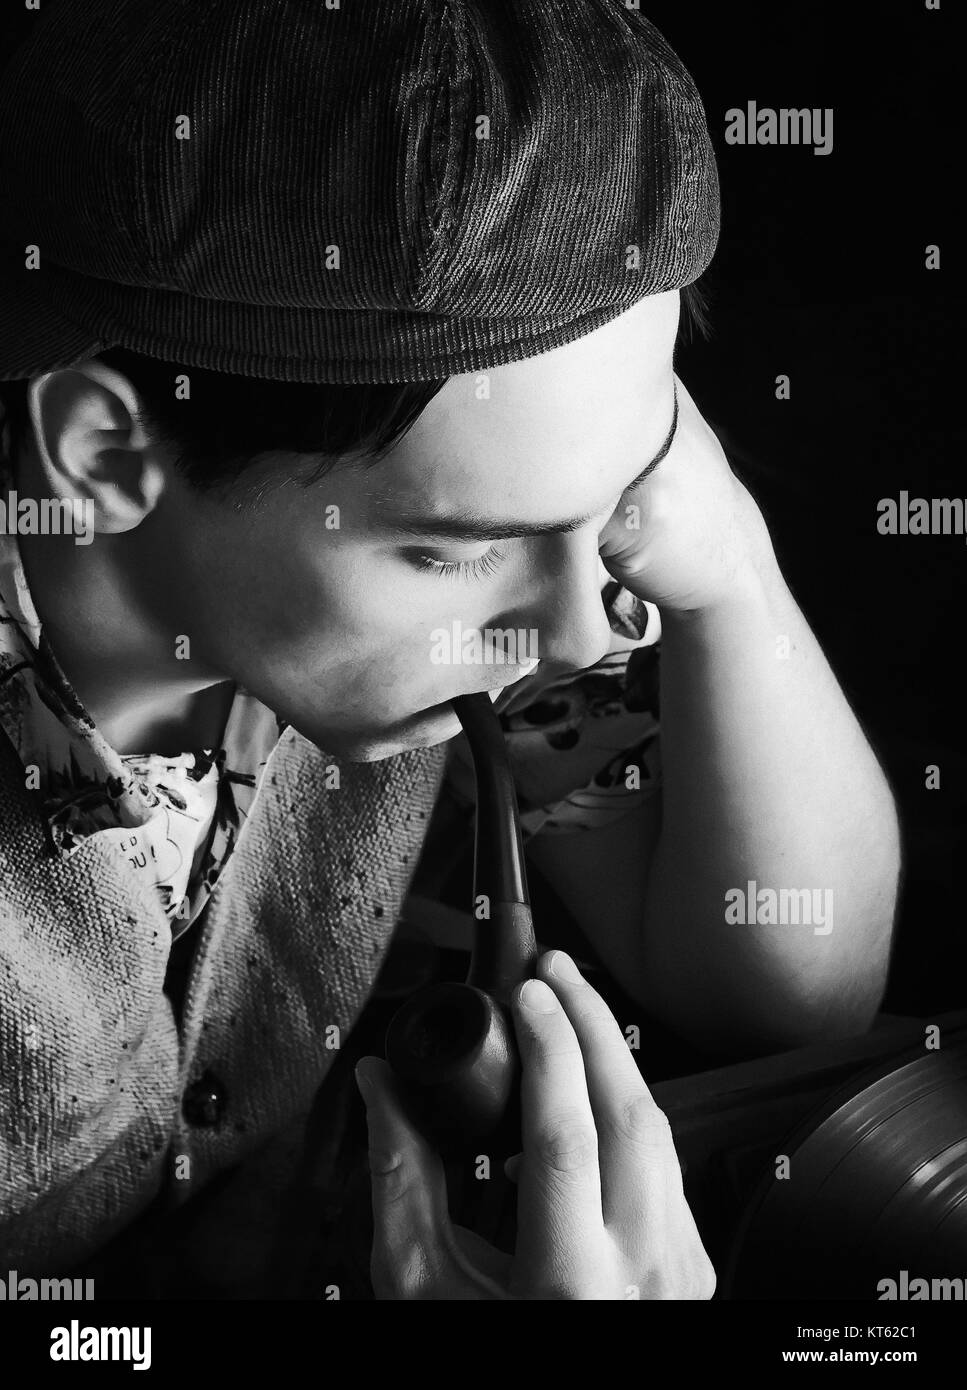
{"x": 763, "y": 1016}
{"x": 808, "y": 1025}
{"x": 782, "y": 1020}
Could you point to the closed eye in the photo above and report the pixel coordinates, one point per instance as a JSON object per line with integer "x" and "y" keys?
{"x": 485, "y": 564}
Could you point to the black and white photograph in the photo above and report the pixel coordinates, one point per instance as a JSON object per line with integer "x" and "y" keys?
{"x": 483, "y": 781}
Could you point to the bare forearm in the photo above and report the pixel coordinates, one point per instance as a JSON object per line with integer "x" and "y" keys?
{"x": 768, "y": 780}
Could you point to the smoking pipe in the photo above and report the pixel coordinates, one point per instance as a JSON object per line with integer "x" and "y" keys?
{"x": 453, "y": 1045}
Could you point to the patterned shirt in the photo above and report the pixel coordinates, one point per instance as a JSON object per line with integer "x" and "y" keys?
{"x": 174, "y": 819}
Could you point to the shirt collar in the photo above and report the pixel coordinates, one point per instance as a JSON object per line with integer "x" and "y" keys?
{"x": 84, "y": 784}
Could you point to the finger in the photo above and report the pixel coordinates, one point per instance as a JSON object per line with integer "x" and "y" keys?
{"x": 639, "y": 1166}
{"x": 410, "y": 1218}
{"x": 559, "y": 1208}
{"x": 512, "y": 1167}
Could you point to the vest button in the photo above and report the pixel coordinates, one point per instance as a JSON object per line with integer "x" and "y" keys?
{"x": 204, "y": 1101}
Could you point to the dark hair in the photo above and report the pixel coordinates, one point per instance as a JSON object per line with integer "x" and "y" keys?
{"x": 228, "y": 421}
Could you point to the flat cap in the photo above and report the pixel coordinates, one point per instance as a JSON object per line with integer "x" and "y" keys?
{"x": 342, "y": 191}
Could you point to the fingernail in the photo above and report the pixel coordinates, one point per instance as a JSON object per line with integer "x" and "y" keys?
{"x": 535, "y": 994}
{"x": 561, "y": 965}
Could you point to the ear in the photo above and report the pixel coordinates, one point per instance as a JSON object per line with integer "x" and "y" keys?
{"x": 90, "y": 447}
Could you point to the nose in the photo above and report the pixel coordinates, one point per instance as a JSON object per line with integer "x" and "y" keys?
{"x": 564, "y": 607}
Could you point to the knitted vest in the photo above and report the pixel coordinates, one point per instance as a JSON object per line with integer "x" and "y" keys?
{"x": 93, "y": 1065}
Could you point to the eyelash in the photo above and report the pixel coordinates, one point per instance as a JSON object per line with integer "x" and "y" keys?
{"x": 464, "y": 569}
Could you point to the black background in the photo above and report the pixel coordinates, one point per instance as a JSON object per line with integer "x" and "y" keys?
{"x": 820, "y": 274}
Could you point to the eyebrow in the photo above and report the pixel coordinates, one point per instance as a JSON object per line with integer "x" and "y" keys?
{"x": 467, "y": 525}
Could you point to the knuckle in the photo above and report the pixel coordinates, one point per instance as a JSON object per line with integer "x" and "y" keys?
{"x": 406, "y": 1273}
{"x": 697, "y": 1280}
{"x": 595, "y": 1018}
{"x": 562, "y": 1047}
{"x": 680, "y": 1268}
{"x": 565, "y": 1277}
{"x": 389, "y": 1170}
{"x": 567, "y": 1145}
{"x": 640, "y": 1122}
{"x": 556, "y": 1045}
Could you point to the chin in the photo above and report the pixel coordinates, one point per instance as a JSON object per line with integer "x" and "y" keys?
{"x": 425, "y": 729}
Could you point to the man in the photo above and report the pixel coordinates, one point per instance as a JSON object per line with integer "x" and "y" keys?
{"x": 510, "y": 207}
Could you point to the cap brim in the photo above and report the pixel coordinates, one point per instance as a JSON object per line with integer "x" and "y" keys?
{"x": 35, "y": 336}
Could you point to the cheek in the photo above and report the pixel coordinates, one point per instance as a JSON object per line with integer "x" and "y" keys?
{"x": 335, "y": 616}
{"x": 289, "y": 586}
{"x": 382, "y": 621}
{"x": 353, "y": 599}
{"x": 291, "y": 606}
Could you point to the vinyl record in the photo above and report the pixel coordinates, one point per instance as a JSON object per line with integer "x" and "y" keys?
{"x": 874, "y": 1190}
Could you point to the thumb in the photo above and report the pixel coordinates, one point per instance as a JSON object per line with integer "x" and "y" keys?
{"x": 411, "y": 1223}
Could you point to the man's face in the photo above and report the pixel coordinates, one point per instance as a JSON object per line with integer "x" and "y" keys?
{"x": 339, "y": 627}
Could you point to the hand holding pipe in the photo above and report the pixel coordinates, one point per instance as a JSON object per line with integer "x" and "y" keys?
{"x": 453, "y": 1046}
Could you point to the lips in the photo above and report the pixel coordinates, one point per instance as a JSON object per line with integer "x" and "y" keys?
{"x": 509, "y": 690}
{"x": 500, "y": 695}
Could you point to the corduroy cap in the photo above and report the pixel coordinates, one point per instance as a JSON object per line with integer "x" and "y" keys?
{"x": 342, "y": 191}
